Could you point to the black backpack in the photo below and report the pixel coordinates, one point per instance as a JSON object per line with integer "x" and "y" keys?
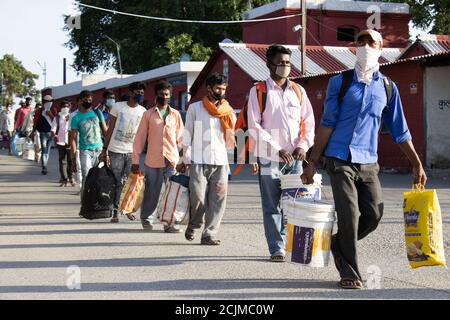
{"x": 347, "y": 78}
{"x": 98, "y": 193}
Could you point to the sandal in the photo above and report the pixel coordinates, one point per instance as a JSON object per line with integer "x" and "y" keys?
{"x": 189, "y": 234}
{"x": 131, "y": 216}
{"x": 210, "y": 242}
{"x": 347, "y": 283}
{"x": 278, "y": 258}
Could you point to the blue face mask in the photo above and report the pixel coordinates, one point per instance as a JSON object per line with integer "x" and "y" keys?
{"x": 139, "y": 98}
{"x": 110, "y": 102}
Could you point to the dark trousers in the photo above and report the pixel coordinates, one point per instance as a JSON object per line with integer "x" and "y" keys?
{"x": 358, "y": 200}
{"x": 65, "y": 163}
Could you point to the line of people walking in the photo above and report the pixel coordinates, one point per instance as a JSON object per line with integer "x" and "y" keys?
{"x": 279, "y": 125}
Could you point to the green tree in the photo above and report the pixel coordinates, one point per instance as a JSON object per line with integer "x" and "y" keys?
{"x": 429, "y": 12}
{"x": 183, "y": 44}
{"x": 17, "y": 80}
{"x": 146, "y": 44}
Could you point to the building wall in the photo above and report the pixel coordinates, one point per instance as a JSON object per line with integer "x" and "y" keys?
{"x": 323, "y": 26}
{"x": 437, "y": 106}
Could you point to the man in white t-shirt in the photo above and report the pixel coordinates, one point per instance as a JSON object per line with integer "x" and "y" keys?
{"x": 124, "y": 121}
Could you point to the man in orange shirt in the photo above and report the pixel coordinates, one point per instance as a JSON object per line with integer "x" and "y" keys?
{"x": 162, "y": 127}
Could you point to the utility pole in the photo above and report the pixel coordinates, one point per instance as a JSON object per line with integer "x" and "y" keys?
{"x": 64, "y": 71}
{"x": 303, "y": 42}
{"x": 118, "y": 55}
{"x": 1, "y": 93}
{"x": 44, "y": 72}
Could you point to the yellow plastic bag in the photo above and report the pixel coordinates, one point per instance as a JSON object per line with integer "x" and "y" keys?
{"x": 132, "y": 193}
{"x": 423, "y": 228}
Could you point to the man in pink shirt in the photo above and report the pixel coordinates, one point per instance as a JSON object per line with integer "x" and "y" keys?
{"x": 162, "y": 127}
{"x": 283, "y": 134}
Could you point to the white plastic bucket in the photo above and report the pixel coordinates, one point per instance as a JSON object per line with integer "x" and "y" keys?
{"x": 310, "y": 226}
{"x": 292, "y": 187}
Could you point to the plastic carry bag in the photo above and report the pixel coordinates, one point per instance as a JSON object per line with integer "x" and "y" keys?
{"x": 132, "y": 193}
{"x": 423, "y": 228}
{"x": 174, "y": 206}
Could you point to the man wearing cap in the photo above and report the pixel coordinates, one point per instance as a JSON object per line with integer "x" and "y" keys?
{"x": 348, "y": 133}
{"x": 44, "y": 120}
{"x": 21, "y": 114}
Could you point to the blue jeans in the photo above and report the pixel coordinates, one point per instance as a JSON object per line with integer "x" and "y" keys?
{"x": 270, "y": 187}
{"x": 46, "y": 144}
{"x": 88, "y": 160}
{"x": 154, "y": 179}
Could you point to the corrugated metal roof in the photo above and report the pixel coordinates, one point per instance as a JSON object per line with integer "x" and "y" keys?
{"x": 430, "y": 42}
{"x": 391, "y": 54}
{"x": 251, "y": 58}
{"x": 247, "y": 60}
{"x": 344, "y": 55}
{"x": 423, "y": 57}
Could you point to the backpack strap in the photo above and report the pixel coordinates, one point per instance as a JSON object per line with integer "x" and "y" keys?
{"x": 58, "y": 117}
{"x": 261, "y": 91}
{"x": 347, "y": 78}
{"x": 298, "y": 91}
{"x": 98, "y": 116}
{"x": 389, "y": 87}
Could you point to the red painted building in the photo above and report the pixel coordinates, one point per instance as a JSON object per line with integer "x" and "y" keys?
{"x": 329, "y": 22}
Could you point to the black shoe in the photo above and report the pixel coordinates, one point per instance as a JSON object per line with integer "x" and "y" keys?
{"x": 44, "y": 171}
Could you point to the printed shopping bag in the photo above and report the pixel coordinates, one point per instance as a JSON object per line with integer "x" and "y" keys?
{"x": 174, "y": 207}
{"x": 132, "y": 193}
{"x": 423, "y": 228}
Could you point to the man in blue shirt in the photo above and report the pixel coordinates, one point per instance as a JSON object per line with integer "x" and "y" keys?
{"x": 348, "y": 133}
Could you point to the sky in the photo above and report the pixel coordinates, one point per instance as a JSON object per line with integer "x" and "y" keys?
{"x": 32, "y": 30}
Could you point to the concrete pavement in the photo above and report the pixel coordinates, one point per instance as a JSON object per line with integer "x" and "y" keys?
{"x": 41, "y": 235}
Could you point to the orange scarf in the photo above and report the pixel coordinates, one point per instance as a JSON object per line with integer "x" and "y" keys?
{"x": 225, "y": 113}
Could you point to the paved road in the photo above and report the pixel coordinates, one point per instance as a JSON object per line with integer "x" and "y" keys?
{"x": 41, "y": 235}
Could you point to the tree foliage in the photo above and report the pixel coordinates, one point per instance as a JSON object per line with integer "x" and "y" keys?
{"x": 426, "y": 13}
{"x": 17, "y": 81}
{"x": 147, "y": 44}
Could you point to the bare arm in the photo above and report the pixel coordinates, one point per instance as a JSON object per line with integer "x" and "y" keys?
{"x": 418, "y": 171}
{"x": 73, "y": 135}
{"x": 320, "y": 143}
{"x": 108, "y": 131}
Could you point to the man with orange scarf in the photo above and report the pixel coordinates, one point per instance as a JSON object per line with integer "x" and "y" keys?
{"x": 209, "y": 132}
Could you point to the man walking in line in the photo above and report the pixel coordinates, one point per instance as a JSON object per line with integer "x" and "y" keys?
{"x": 125, "y": 118}
{"x": 7, "y": 125}
{"x": 61, "y": 130}
{"x": 74, "y": 111}
{"x": 162, "y": 128}
{"x": 209, "y": 132}
{"x": 43, "y": 122}
{"x": 348, "y": 133}
{"x": 283, "y": 130}
{"x": 21, "y": 114}
{"x": 109, "y": 100}
{"x": 86, "y": 128}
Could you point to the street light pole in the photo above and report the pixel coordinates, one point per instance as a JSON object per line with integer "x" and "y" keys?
{"x": 118, "y": 55}
{"x": 1, "y": 93}
{"x": 303, "y": 37}
{"x": 44, "y": 72}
